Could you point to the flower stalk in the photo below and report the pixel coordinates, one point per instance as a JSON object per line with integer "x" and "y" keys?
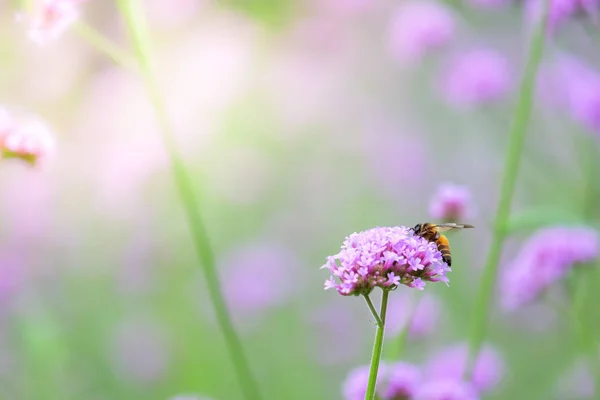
{"x": 133, "y": 14}
{"x": 512, "y": 163}
{"x": 378, "y": 345}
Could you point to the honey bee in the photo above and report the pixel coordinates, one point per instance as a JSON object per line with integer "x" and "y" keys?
{"x": 431, "y": 232}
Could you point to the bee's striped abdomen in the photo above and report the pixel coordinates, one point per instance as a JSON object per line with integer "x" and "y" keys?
{"x": 444, "y": 248}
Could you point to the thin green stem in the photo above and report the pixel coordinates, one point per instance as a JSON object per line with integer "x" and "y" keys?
{"x": 377, "y": 346}
{"x": 517, "y": 136}
{"x": 136, "y": 24}
{"x": 372, "y": 308}
{"x": 104, "y": 45}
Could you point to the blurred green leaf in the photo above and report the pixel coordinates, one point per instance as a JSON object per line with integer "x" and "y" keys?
{"x": 539, "y": 217}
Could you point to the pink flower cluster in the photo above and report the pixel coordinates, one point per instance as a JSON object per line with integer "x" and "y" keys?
{"x": 51, "y": 18}
{"x": 29, "y": 140}
{"x": 385, "y": 257}
{"x": 441, "y": 379}
{"x": 451, "y": 203}
{"x": 544, "y": 259}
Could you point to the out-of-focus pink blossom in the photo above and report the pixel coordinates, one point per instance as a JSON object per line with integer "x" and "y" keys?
{"x": 423, "y": 314}
{"x": 545, "y": 258}
{"x": 476, "y": 77}
{"x": 418, "y": 27}
{"x": 29, "y": 139}
{"x": 559, "y": 11}
{"x": 259, "y": 276}
{"x": 445, "y": 389}
{"x": 451, "y": 363}
{"x": 451, "y": 203}
{"x": 394, "y": 381}
{"x": 569, "y": 83}
{"x": 51, "y": 18}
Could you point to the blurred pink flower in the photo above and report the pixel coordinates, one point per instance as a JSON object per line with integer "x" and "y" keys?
{"x": 140, "y": 351}
{"x": 545, "y": 258}
{"x": 475, "y": 77}
{"x": 451, "y": 203}
{"x": 445, "y": 389}
{"x": 576, "y": 383}
{"x": 28, "y": 139}
{"x": 418, "y": 27}
{"x": 424, "y": 314}
{"x": 394, "y": 381}
{"x": 559, "y": 12}
{"x": 259, "y": 276}
{"x": 451, "y": 362}
{"x": 51, "y": 18}
{"x": 573, "y": 84}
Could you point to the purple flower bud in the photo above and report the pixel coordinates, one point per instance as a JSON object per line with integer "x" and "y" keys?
{"x": 418, "y": 27}
{"x": 363, "y": 262}
{"x": 545, "y": 258}
{"x": 475, "y": 77}
{"x": 451, "y": 203}
{"x": 446, "y": 389}
{"x": 451, "y": 363}
{"x": 559, "y": 12}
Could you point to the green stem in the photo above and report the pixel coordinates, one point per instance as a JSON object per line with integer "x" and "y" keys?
{"x": 378, "y": 345}
{"x": 372, "y": 308}
{"x": 511, "y": 168}
{"x": 103, "y": 44}
{"x": 136, "y": 24}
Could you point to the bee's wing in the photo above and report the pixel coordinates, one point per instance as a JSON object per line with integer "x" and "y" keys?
{"x": 451, "y": 225}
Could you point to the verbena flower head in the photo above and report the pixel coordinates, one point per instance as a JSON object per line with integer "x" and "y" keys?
{"x": 446, "y": 389}
{"x": 545, "y": 258}
{"x": 51, "y": 18}
{"x": 451, "y": 203}
{"x": 476, "y": 77}
{"x": 451, "y": 363}
{"x": 29, "y": 140}
{"x": 384, "y": 257}
{"x": 418, "y": 27}
{"x": 396, "y": 381}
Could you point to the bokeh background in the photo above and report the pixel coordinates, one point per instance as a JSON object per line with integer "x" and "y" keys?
{"x": 301, "y": 122}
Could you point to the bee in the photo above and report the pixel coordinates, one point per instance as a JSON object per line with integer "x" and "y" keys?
{"x": 431, "y": 232}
